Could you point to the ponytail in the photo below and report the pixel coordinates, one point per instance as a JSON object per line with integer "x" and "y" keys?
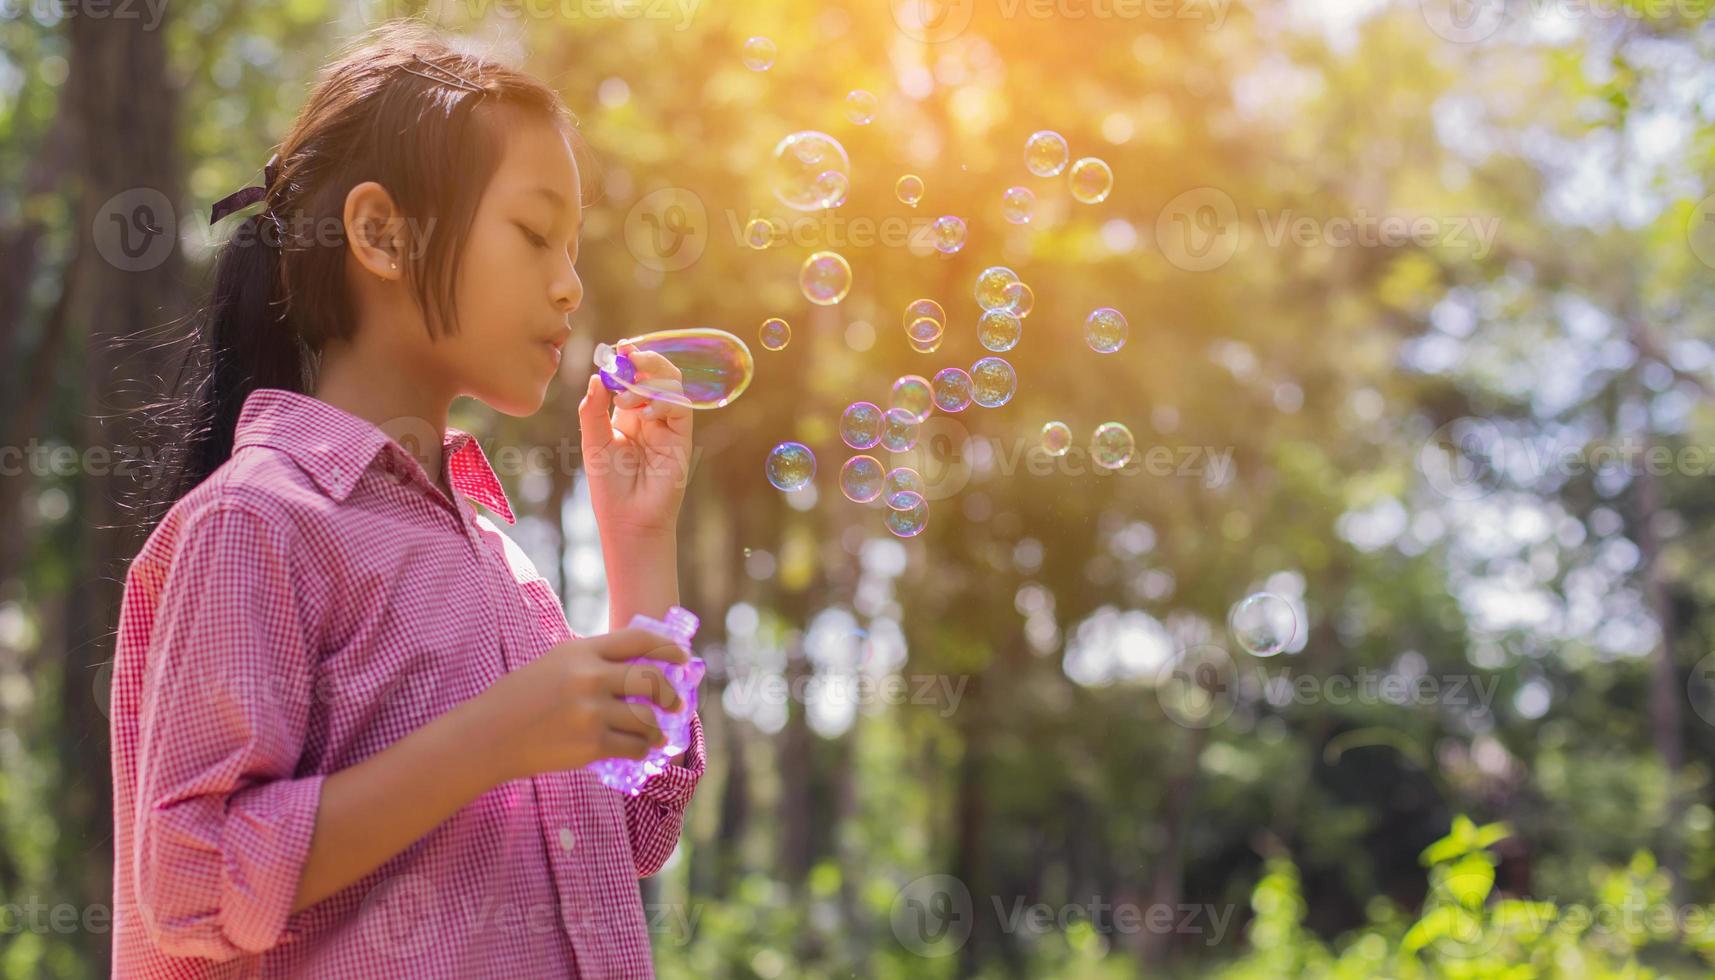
{"x": 244, "y": 340}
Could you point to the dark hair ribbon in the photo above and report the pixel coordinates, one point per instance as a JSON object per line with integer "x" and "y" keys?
{"x": 240, "y": 200}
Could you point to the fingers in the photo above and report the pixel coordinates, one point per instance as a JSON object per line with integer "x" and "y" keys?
{"x": 647, "y": 681}
{"x": 622, "y": 745}
{"x": 629, "y": 718}
{"x": 634, "y": 642}
{"x": 652, "y": 365}
{"x": 593, "y": 418}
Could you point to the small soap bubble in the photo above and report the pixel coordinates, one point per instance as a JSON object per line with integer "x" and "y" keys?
{"x": 1056, "y": 438}
{"x": 759, "y": 54}
{"x": 1020, "y": 299}
{"x": 801, "y": 162}
{"x": 1112, "y": 445}
{"x": 912, "y": 394}
{"x": 1017, "y": 204}
{"x": 791, "y": 465}
{"x": 1263, "y": 623}
{"x": 991, "y": 286}
{"x": 919, "y": 308}
{"x": 759, "y": 233}
{"x": 952, "y": 389}
{"x": 861, "y": 479}
{"x": 1105, "y": 330}
{"x": 992, "y": 382}
{"x": 999, "y": 331}
{"x": 901, "y": 481}
{"x": 899, "y": 431}
{"x": 826, "y": 278}
{"x": 909, "y": 190}
{"x": 860, "y": 106}
{"x": 775, "y": 334}
{"x": 1092, "y": 180}
{"x": 860, "y": 425}
{"x": 924, "y": 330}
{"x": 908, "y": 521}
{"x": 948, "y": 234}
{"x": 1045, "y": 153}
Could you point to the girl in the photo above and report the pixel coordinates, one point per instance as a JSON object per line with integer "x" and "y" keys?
{"x": 348, "y": 717}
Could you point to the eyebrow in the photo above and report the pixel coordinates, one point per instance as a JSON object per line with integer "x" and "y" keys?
{"x": 558, "y": 200}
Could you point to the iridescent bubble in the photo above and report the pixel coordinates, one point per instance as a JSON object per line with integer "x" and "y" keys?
{"x": 826, "y": 278}
{"x": 991, "y": 286}
{"x": 919, "y": 308}
{"x": 899, "y": 431}
{"x": 1105, "y": 330}
{"x": 992, "y": 382}
{"x": 1045, "y": 153}
{"x": 908, "y": 521}
{"x": 775, "y": 334}
{"x": 902, "y": 481}
{"x": 1092, "y": 180}
{"x": 948, "y": 234}
{"x": 800, "y": 160}
{"x": 1056, "y": 438}
{"x": 860, "y": 425}
{"x": 759, "y": 54}
{"x": 924, "y": 330}
{"x": 912, "y": 394}
{"x": 909, "y": 190}
{"x": 1112, "y": 445}
{"x": 952, "y": 389}
{"x": 791, "y": 466}
{"x": 759, "y": 233}
{"x": 716, "y": 366}
{"x": 860, "y": 106}
{"x": 1020, "y": 298}
{"x": 1263, "y": 623}
{"x": 926, "y": 347}
{"x": 833, "y": 187}
{"x": 998, "y": 330}
{"x": 861, "y": 479}
{"x": 1017, "y": 204}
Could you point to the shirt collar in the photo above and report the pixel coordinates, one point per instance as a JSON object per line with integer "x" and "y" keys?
{"x": 335, "y": 447}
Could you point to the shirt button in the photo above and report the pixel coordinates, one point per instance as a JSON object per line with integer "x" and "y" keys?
{"x": 567, "y": 841}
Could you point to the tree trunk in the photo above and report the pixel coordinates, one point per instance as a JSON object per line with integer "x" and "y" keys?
{"x": 124, "y": 126}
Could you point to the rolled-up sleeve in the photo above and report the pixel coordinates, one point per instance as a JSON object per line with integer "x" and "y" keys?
{"x": 654, "y": 816}
{"x": 222, "y": 827}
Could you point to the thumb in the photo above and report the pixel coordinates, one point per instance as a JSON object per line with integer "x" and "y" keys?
{"x": 594, "y": 422}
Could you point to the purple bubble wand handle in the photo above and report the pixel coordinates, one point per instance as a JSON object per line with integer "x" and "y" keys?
{"x": 629, "y": 775}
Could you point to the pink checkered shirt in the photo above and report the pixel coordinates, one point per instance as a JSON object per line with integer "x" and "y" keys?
{"x": 312, "y": 602}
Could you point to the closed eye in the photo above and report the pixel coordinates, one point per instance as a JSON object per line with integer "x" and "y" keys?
{"x": 536, "y": 240}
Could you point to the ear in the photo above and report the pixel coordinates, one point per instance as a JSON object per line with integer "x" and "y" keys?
{"x": 374, "y": 228}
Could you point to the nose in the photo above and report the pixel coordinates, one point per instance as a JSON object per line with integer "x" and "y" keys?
{"x": 568, "y": 290}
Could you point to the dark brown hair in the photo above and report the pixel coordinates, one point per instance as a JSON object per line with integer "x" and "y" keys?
{"x": 401, "y": 108}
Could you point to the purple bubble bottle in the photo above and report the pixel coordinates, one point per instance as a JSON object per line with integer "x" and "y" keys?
{"x": 629, "y": 775}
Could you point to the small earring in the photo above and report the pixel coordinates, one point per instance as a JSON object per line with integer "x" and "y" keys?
{"x": 394, "y": 266}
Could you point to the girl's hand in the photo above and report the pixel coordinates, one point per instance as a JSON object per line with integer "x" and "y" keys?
{"x": 637, "y": 451}
{"x": 564, "y": 710}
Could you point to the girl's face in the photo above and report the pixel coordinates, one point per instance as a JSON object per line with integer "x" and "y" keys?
{"x": 516, "y": 281}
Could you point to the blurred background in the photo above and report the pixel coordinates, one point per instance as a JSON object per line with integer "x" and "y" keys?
{"x": 1421, "y": 329}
